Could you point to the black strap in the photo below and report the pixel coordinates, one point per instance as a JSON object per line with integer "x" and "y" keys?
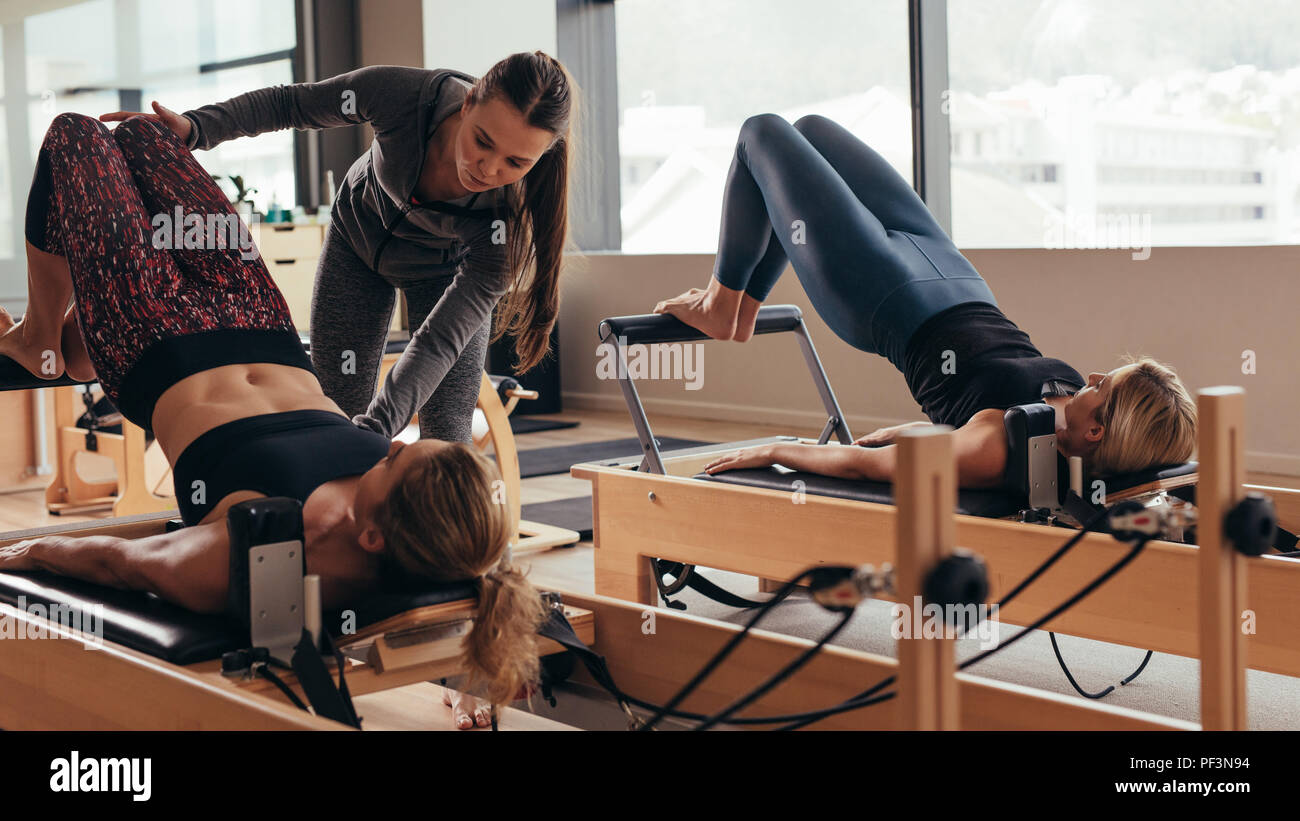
{"x": 267, "y": 673}
{"x": 697, "y": 583}
{"x": 1285, "y": 541}
{"x": 328, "y": 700}
{"x": 1083, "y": 511}
{"x": 557, "y": 628}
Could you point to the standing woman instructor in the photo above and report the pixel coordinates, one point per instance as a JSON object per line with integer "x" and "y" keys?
{"x": 461, "y": 198}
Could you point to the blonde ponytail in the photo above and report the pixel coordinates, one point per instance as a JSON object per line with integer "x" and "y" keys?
{"x": 443, "y": 522}
{"x": 501, "y": 648}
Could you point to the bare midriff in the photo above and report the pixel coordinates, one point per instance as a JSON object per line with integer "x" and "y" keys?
{"x": 205, "y": 400}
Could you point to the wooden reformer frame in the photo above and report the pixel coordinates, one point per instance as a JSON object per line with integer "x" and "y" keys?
{"x": 774, "y": 534}
{"x": 58, "y": 684}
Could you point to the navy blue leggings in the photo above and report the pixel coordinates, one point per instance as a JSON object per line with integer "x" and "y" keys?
{"x": 870, "y": 256}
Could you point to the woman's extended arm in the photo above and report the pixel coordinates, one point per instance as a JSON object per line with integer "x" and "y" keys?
{"x": 189, "y": 567}
{"x": 886, "y": 436}
{"x": 979, "y": 446}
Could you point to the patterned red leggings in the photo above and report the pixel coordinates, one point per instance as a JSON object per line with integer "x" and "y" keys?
{"x": 150, "y": 309}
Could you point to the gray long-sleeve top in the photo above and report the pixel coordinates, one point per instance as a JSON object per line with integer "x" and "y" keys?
{"x": 376, "y": 213}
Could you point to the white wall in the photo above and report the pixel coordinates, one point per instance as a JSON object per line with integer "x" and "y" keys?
{"x": 389, "y": 33}
{"x": 471, "y": 37}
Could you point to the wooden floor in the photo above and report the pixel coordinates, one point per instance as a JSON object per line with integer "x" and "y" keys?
{"x": 569, "y": 568}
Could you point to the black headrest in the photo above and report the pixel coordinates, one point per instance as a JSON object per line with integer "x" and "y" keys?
{"x": 1021, "y": 423}
{"x": 503, "y": 385}
{"x": 143, "y": 622}
{"x": 376, "y": 608}
{"x": 989, "y": 503}
{"x": 1125, "y": 481}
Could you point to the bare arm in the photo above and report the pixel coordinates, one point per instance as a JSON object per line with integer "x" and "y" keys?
{"x": 979, "y": 446}
{"x": 189, "y": 567}
{"x": 886, "y": 436}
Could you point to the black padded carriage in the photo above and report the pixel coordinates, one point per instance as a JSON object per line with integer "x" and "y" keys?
{"x": 143, "y": 622}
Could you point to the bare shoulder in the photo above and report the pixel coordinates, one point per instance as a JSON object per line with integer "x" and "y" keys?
{"x": 988, "y": 417}
{"x": 218, "y": 513}
{"x": 981, "y": 449}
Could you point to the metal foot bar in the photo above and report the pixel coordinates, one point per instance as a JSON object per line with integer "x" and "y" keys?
{"x": 648, "y": 329}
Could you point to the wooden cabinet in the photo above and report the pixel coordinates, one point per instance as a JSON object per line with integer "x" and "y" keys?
{"x": 291, "y": 253}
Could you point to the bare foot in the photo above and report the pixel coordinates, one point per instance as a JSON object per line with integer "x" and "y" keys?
{"x": 75, "y": 358}
{"x": 746, "y": 318}
{"x": 42, "y": 357}
{"x": 466, "y": 711}
{"x": 698, "y": 309}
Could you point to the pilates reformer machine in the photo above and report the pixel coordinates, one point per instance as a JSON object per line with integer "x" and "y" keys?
{"x": 658, "y": 515}
{"x": 159, "y": 666}
{"x": 131, "y": 492}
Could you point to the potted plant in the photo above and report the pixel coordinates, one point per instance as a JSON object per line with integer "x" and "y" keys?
{"x": 243, "y": 205}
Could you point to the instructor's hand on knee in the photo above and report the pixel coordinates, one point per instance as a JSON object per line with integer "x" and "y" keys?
{"x": 179, "y": 124}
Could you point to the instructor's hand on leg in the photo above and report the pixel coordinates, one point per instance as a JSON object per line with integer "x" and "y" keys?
{"x": 179, "y": 124}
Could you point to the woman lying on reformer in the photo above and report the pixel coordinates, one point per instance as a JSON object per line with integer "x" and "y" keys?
{"x": 197, "y": 344}
{"x": 887, "y": 279}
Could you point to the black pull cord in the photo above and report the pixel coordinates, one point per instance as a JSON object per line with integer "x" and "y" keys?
{"x": 1065, "y": 669}
{"x": 723, "y": 653}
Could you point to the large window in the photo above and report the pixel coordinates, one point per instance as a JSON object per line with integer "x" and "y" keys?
{"x": 106, "y": 55}
{"x": 1080, "y": 123}
{"x": 690, "y": 72}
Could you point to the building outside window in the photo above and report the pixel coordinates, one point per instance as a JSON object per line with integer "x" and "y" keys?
{"x": 1181, "y": 115}
{"x": 690, "y": 73}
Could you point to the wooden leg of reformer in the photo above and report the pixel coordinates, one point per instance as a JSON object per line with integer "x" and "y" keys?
{"x": 503, "y": 445}
{"x": 56, "y": 492}
{"x": 620, "y": 572}
{"x": 133, "y": 495}
{"x": 1221, "y": 413}
{"x": 926, "y": 493}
